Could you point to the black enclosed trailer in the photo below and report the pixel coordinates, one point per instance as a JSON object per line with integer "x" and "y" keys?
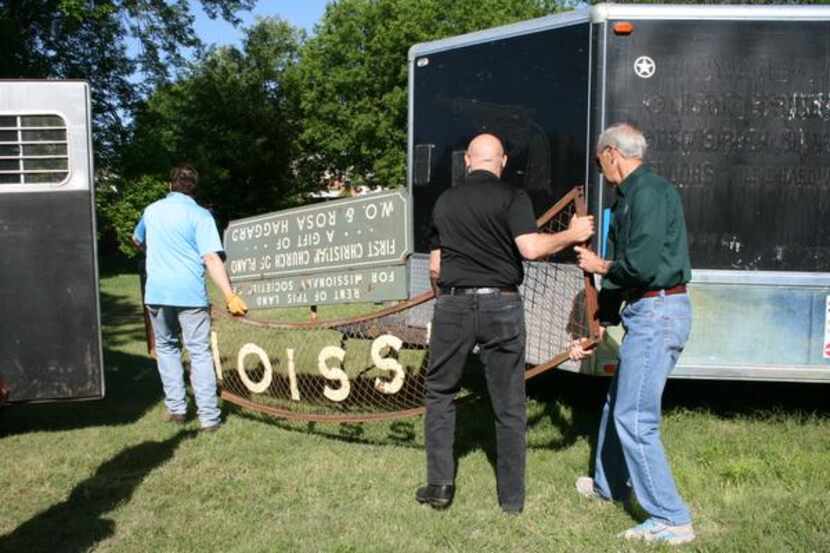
{"x": 735, "y": 104}
{"x": 50, "y": 338}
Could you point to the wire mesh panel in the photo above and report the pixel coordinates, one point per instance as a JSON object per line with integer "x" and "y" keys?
{"x": 560, "y": 300}
{"x": 371, "y": 364}
{"x": 359, "y": 368}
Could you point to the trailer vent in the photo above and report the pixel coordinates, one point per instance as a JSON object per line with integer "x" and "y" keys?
{"x": 33, "y": 149}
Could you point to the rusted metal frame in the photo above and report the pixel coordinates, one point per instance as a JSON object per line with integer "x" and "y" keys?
{"x": 544, "y": 367}
{"x": 149, "y": 334}
{"x": 591, "y": 296}
{"x": 311, "y": 417}
{"x": 577, "y": 196}
{"x": 587, "y": 344}
{"x": 311, "y": 325}
{"x": 571, "y": 196}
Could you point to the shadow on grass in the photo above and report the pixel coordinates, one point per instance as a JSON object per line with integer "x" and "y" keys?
{"x": 78, "y": 523}
{"x": 574, "y": 402}
{"x": 133, "y": 387}
{"x": 122, "y": 321}
{"x": 131, "y": 382}
{"x": 572, "y": 405}
{"x": 400, "y": 433}
{"x": 730, "y": 399}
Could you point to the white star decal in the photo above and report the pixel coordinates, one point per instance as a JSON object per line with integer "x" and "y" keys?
{"x": 644, "y": 67}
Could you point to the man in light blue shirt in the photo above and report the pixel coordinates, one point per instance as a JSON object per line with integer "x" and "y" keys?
{"x": 181, "y": 242}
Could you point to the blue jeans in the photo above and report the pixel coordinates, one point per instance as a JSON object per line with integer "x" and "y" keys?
{"x": 194, "y": 324}
{"x": 496, "y": 323}
{"x": 629, "y": 449}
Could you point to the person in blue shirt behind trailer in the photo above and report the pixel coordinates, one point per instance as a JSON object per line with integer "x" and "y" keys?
{"x": 181, "y": 242}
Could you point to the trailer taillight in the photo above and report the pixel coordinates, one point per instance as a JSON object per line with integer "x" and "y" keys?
{"x": 623, "y": 28}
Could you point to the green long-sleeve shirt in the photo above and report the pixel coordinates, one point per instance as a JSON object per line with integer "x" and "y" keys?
{"x": 647, "y": 240}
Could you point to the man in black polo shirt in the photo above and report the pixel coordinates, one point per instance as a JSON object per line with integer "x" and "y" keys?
{"x": 480, "y": 232}
{"x": 648, "y": 267}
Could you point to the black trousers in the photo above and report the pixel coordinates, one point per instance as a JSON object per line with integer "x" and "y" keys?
{"x": 496, "y": 323}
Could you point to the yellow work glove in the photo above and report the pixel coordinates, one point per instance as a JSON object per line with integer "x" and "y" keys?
{"x": 235, "y": 305}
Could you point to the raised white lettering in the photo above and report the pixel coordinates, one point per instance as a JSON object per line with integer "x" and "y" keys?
{"x": 268, "y": 375}
{"x": 388, "y": 364}
{"x": 292, "y": 375}
{"x": 334, "y": 373}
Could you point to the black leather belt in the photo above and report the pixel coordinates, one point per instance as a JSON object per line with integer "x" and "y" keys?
{"x": 464, "y": 290}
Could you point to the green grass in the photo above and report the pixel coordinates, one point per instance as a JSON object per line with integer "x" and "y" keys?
{"x": 753, "y": 460}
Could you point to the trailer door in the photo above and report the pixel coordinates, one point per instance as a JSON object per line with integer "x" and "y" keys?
{"x": 50, "y": 340}
{"x": 527, "y": 83}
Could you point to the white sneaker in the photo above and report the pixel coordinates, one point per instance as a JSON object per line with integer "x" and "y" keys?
{"x": 585, "y": 488}
{"x": 654, "y": 531}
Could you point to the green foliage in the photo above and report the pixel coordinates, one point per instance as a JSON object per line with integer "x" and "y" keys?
{"x": 279, "y": 117}
{"x": 354, "y": 78}
{"x": 120, "y": 204}
{"x": 232, "y": 117}
{"x": 716, "y": 2}
{"x": 80, "y": 39}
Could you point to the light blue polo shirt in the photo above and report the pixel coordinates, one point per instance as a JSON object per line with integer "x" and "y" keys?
{"x": 177, "y": 232}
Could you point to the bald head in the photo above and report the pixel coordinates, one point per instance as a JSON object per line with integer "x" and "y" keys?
{"x": 485, "y": 152}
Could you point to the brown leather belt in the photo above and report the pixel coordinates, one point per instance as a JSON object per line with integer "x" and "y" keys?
{"x": 464, "y": 290}
{"x": 635, "y": 295}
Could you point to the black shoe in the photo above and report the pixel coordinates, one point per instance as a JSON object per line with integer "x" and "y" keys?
{"x": 436, "y": 496}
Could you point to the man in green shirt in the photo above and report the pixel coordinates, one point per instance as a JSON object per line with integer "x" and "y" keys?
{"x": 647, "y": 266}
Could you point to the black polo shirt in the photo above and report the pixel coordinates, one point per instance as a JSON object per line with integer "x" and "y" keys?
{"x": 475, "y": 226}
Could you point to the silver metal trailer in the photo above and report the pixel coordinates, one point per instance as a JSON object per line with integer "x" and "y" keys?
{"x": 50, "y": 337}
{"x": 735, "y": 103}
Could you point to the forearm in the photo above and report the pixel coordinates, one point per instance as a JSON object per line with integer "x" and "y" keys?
{"x": 216, "y": 271}
{"x": 433, "y": 282}
{"x": 434, "y": 269}
{"x": 549, "y": 244}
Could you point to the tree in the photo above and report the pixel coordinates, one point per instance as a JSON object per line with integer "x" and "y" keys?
{"x": 87, "y": 39}
{"x": 119, "y": 204}
{"x": 233, "y": 116}
{"x": 353, "y": 77}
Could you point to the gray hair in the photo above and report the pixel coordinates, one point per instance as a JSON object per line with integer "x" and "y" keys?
{"x": 626, "y": 138}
